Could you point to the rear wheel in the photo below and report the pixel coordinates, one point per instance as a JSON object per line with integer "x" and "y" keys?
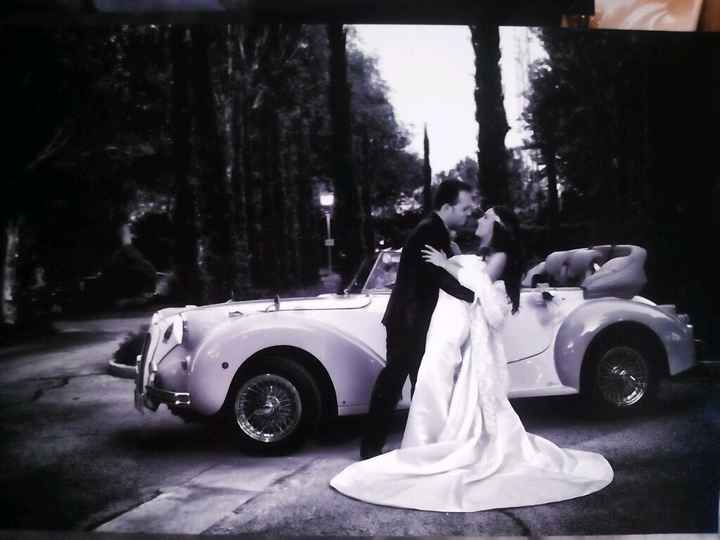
{"x": 273, "y": 406}
{"x": 621, "y": 378}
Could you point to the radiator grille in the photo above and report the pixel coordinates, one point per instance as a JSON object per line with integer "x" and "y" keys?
{"x": 139, "y": 383}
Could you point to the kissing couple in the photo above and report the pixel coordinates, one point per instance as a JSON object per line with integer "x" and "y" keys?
{"x": 464, "y": 448}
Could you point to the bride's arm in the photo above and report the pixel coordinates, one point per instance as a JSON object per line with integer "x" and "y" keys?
{"x": 493, "y": 306}
{"x": 496, "y": 265}
{"x": 438, "y": 258}
{"x": 479, "y": 279}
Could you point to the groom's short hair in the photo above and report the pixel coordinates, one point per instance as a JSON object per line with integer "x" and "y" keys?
{"x": 447, "y": 192}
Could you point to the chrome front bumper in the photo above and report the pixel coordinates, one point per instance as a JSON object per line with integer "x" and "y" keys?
{"x": 153, "y": 397}
{"x": 171, "y": 399}
{"x": 699, "y": 350}
{"x": 150, "y": 397}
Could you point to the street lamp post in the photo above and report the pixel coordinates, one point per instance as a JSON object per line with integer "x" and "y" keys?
{"x": 327, "y": 201}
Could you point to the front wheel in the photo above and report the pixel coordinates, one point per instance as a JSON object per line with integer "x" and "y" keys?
{"x": 273, "y": 406}
{"x": 621, "y": 378}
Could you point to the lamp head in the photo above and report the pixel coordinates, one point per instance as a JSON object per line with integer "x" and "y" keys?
{"x": 327, "y": 200}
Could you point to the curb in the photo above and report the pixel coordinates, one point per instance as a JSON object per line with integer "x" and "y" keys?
{"x": 121, "y": 370}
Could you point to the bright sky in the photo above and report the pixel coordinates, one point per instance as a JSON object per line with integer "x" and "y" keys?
{"x": 430, "y": 71}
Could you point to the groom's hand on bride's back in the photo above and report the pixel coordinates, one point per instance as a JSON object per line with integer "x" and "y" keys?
{"x": 434, "y": 256}
{"x": 444, "y": 280}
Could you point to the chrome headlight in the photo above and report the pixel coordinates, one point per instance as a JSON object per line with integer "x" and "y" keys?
{"x": 177, "y": 329}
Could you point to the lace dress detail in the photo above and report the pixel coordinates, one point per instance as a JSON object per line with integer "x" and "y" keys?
{"x": 487, "y": 354}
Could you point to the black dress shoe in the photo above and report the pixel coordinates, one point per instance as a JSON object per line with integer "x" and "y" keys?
{"x": 369, "y": 450}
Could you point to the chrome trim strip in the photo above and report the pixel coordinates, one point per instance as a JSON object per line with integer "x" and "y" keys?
{"x": 140, "y": 364}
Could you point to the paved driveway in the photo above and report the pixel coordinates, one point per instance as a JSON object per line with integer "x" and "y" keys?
{"x": 77, "y": 455}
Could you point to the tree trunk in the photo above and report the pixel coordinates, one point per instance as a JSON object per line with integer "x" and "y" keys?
{"x": 279, "y": 203}
{"x": 216, "y": 197}
{"x": 242, "y": 283}
{"x": 184, "y": 213}
{"x": 309, "y": 236}
{"x": 493, "y": 173}
{"x": 252, "y": 199}
{"x": 548, "y": 157}
{"x": 348, "y": 214}
{"x": 11, "y": 236}
{"x": 368, "y": 187}
{"x": 268, "y": 252}
{"x": 292, "y": 225}
{"x": 4, "y": 244}
{"x": 249, "y": 149}
{"x": 19, "y": 311}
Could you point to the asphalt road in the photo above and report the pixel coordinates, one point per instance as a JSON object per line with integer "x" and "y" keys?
{"x": 77, "y": 456}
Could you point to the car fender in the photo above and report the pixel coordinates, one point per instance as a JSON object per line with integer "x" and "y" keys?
{"x": 351, "y": 365}
{"x": 588, "y": 320}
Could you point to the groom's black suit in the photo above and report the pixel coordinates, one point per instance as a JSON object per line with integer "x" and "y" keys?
{"x": 407, "y": 318}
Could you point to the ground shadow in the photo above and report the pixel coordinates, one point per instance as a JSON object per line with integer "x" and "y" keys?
{"x": 537, "y": 414}
{"x": 55, "y": 342}
{"x": 189, "y": 438}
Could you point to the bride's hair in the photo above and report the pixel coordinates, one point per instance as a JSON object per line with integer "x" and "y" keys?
{"x": 506, "y": 238}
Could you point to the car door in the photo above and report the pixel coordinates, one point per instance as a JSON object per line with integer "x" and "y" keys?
{"x": 531, "y": 330}
{"x": 365, "y": 325}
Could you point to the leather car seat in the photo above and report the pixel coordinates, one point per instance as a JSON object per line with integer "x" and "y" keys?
{"x": 620, "y": 270}
{"x": 622, "y": 276}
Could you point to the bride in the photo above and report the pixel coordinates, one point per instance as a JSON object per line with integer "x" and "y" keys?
{"x": 464, "y": 449}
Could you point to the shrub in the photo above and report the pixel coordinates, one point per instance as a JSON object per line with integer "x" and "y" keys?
{"x": 128, "y": 274}
{"x": 131, "y": 347}
{"x": 154, "y": 235}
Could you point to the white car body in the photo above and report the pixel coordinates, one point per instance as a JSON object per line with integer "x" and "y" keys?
{"x": 193, "y": 353}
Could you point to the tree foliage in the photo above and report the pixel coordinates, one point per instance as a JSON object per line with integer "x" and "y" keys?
{"x": 588, "y": 112}
{"x": 230, "y": 127}
{"x": 466, "y": 170}
{"x": 492, "y": 156}
{"x": 619, "y": 116}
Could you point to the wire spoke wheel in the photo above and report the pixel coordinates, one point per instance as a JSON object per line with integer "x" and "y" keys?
{"x": 622, "y": 376}
{"x": 268, "y": 408}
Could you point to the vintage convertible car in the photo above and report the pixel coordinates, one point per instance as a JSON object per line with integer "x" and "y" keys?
{"x": 276, "y": 368}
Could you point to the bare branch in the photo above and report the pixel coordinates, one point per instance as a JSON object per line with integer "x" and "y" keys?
{"x": 59, "y": 139}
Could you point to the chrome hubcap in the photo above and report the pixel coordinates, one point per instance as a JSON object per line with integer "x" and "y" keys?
{"x": 622, "y": 376}
{"x": 268, "y": 408}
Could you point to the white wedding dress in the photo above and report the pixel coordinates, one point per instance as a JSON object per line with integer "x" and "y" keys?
{"x": 464, "y": 449}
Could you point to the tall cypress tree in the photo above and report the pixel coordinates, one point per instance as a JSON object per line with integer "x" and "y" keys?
{"x": 349, "y": 215}
{"x": 184, "y": 215}
{"x": 493, "y": 173}
{"x": 427, "y": 175}
{"x": 215, "y": 191}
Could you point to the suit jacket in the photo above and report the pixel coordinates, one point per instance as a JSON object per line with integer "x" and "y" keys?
{"x": 418, "y": 282}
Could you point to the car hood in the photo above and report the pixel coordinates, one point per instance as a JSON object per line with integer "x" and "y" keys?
{"x": 268, "y": 305}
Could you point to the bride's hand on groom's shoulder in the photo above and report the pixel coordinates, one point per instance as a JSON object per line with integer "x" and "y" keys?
{"x": 433, "y": 256}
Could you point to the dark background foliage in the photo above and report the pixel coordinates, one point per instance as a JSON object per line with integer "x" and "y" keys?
{"x": 207, "y": 147}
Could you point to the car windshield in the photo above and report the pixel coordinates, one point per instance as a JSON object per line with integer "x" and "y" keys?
{"x": 358, "y": 280}
{"x": 376, "y": 273}
{"x": 383, "y": 273}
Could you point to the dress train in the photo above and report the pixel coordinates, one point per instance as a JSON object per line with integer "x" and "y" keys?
{"x": 464, "y": 448}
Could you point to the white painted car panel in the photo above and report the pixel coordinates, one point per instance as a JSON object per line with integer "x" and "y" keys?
{"x": 545, "y": 342}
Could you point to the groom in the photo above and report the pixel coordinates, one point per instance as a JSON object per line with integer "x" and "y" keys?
{"x": 411, "y": 305}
